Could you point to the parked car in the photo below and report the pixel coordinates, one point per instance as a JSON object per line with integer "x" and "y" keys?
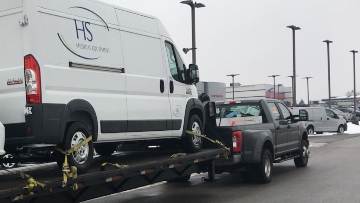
{"x": 346, "y": 115}
{"x": 350, "y": 110}
{"x": 322, "y": 120}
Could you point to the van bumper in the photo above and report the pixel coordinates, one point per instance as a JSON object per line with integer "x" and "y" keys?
{"x": 42, "y": 126}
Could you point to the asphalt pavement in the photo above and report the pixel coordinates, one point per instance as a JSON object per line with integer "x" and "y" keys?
{"x": 332, "y": 175}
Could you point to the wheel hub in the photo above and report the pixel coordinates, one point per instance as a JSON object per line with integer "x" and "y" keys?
{"x": 80, "y": 155}
{"x": 267, "y": 167}
{"x": 196, "y": 129}
{"x": 306, "y": 152}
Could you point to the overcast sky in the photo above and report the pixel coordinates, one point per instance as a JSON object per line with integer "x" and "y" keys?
{"x": 250, "y": 38}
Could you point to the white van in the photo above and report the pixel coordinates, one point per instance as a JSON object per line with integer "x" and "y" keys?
{"x": 322, "y": 120}
{"x": 74, "y": 68}
{"x": 2, "y": 139}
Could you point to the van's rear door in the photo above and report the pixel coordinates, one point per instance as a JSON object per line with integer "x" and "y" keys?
{"x": 12, "y": 88}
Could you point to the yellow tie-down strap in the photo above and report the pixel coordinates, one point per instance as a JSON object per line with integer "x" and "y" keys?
{"x": 221, "y": 145}
{"x": 71, "y": 172}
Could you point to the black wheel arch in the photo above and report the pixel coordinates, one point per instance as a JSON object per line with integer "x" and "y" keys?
{"x": 193, "y": 106}
{"x": 82, "y": 111}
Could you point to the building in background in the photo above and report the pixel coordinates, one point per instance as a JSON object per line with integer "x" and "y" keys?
{"x": 215, "y": 90}
{"x": 259, "y": 91}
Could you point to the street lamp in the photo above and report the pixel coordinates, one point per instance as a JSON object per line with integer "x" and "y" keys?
{"x": 274, "y": 76}
{"x": 294, "y": 28}
{"x": 355, "y": 120}
{"x": 307, "y": 81}
{"x": 233, "y": 75}
{"x": 292, "y": 84}
{"x": 193, "y": 6}
{"x": 279, "y": 85}
{"x": 328, "y": 58}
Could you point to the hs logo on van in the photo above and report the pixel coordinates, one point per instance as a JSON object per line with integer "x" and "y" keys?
{"x": 84, "y": 46}
{"x": 15, "y": 81}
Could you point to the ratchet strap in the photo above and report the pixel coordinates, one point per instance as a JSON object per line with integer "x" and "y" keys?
{"x": 178, "y": 155}
{"x": 71, "y": 172}
{"x": 30, "y": 181}
{"x": 117, "y": 166}
{"x": 221, "y": 145}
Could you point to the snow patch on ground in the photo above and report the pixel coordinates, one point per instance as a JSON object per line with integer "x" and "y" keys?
{"x": 351, "y": 129}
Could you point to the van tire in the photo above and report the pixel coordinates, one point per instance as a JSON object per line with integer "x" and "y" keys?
{"x": 265, "y": 169}
{"x": 303, "y": 159}
{"x": 74, "y": 135}
{"x": 310, "y": 130}
{"x": 341, "y": 129}
{"x": 105, "y": 149}
{"x": 192, "y": 143}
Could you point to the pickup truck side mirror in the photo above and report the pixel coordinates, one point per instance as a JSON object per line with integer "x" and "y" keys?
{"x": 193, "y": 74}
{"x": 303, "y": 115}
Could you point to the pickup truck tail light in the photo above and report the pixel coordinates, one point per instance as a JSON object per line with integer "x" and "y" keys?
{"x": 237, "y": 141}
{"x": 32, "y": 80}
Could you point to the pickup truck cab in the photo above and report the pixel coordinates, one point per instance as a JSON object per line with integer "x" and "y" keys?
{"x": 259, "y": 133}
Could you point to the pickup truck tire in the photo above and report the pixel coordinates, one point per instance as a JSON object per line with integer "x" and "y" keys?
{"x": 192, "y": 143}
{"x": 341, "y": 129}
{"x": 265, "y": 169}
{"x": 105, "y": 149}
{"x": 302, "y": 161}
{"x": 83, "y": 157}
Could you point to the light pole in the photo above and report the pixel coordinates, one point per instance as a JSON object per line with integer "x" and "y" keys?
{"x": 233, "y": 75}
{"x": 193, "y": 6}
{"x": 355, "y": 120}
{"x": 307, "y": 81}
{"x": 294, "y": 28}
{"x": 328, "y": 58}
{"x": 279, "y": 85}
{"x": 274, "y": 76}
{"x": 292, "y": 84}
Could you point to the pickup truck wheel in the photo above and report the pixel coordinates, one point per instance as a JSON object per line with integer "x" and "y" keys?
{"x": 302, "y": 161}
{"x": 265, "y": 169}
{"x": 341, "y": 129}
{"x": 83, "y": 157}
{"x": 310, "y": 130}
{"x": 192, "y": 143}
{"x": 105, "y": 149}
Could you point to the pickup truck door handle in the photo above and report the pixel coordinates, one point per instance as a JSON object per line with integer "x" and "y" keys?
{"x": 171, "y": 86}
{"x": 162, "y": 86}
{"x": 278, "y": 128}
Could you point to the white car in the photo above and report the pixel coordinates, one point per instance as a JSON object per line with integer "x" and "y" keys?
{"x": 2, "y": 139}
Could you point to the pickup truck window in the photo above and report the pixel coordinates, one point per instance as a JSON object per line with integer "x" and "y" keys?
{"x": 274, "y": 111}
{"x": 285, "y": 111}
{"x": 242, "y": 110}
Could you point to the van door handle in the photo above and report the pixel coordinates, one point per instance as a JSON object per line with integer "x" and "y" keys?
{"x": 278, "y": 128}
{"x": 288, "y": 127}
{"x": 171, "y": 86}
{"x": 328, "y": 118}
{"x": 162, "y": 86}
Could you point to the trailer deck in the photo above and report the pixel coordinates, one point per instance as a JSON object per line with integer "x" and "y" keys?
{"x": 143, "y": 168}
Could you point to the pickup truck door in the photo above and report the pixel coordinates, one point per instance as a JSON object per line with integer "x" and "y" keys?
{"x": 280, "y": 129}
{"x": 293, "y": 137}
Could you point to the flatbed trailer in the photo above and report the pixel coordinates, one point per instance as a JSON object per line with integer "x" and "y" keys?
{"x": 140, "y": 169}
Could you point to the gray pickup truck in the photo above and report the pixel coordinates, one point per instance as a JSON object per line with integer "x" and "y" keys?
{"x": 259, "y": 133}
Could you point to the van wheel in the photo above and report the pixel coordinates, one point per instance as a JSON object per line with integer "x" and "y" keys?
{"x": 10, "y": 165}
{"x": 105, "y": 149}
{"x": 341, "y": 129}
{"x": 265, "y": 169}
{"x": 303, "y": 159}
{"x": 192, "y": 143}
{"x": 310, "y": 130}
{"x": 83, "y": 157}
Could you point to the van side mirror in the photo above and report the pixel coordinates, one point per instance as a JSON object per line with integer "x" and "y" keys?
{"x": 303, "y": 115}
{"x": 193, "y": 74}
